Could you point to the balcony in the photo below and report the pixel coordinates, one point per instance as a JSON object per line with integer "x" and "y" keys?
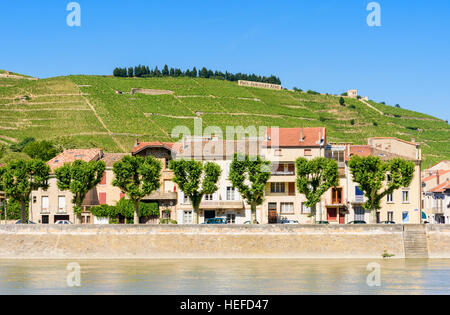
{"x": 160, "y": 195}
{"x": 218, "y": 205}
{"x": 437, "y": 210}
{"x": 358, "y": 199}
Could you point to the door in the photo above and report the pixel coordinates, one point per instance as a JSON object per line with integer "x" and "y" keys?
{"x": 45, "y": 219}
{"x": 341, "y": 216}
{"x": 332, "y": 215}
{"x": 273, "y": 215}
{"x": 291, "y": 189}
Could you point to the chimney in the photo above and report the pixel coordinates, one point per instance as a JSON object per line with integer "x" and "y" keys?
{"x": 413, "y": 140}
{"x": 302, "y": 138}
{"x": 136, "y": 143}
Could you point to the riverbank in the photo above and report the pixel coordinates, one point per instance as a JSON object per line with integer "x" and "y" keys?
{"x": 213, "y": 242}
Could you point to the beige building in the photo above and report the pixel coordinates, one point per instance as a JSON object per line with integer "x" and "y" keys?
{"x": 52, "y": 205}
{"x": 436, "y": 193}
{"x": 404, "y": 205}
{"x": 352, "y": 93}
{"x": 282, "y": 200}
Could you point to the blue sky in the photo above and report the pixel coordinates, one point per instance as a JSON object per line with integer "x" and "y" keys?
{"x": 321, "y": 45}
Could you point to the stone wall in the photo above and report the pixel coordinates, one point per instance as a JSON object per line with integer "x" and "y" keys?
{"x": 159, "y": 241}
{"x": 438, "y": 241}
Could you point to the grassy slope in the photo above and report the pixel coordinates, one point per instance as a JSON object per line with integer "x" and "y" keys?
{"x": 58, "y": 109}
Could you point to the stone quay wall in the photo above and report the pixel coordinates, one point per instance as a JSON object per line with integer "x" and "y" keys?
{"x": 206, "y": 241}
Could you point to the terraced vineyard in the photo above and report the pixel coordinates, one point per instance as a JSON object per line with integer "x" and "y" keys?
{"x": 87, "y": 112}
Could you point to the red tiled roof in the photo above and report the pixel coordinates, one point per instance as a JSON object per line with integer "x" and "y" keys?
{"x": 439, "y": 173}
{"x": 144, "y": 145}
{"x": 441, "y": 188}
{"x": 296, "y": 137}
{"x": 360, "y": 150}
{"x": 70, "y": 156}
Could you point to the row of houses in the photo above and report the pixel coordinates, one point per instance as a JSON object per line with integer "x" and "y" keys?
{"x": 281, "y": 147}
{"x": 436, "y": 193}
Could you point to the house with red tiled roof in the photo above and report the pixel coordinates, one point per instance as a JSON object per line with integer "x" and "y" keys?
{"x": 346, "y": 202}
{"x": 435, "y": 193}
{"x": 52, "y": 205}
{"x": 282, "y": 147}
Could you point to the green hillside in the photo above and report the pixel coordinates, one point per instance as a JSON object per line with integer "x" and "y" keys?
{"x": 86, "y": 111}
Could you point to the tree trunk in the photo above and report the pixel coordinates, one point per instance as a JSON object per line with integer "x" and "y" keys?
{"x": 253, "y": 209}
{"x": 136, "y": 213}
{"x": 23, "y": 208}
{"x": 196, "y": 214}
{"x": 313, "y": 214}
{"x": 373, "y": 216}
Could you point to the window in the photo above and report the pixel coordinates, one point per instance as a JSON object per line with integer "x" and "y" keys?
{"x": 389, "y": 178}
{"x": 390, "y": 198}
{"x": 338, "y": 156}
{"x": 277, "y": 187}
{"x": 103, "y": 182}
{"x": 185, "y": 200}
{"x": 102, "y": 198}
{"x": 231, "y": 193}
{"x": 187, "y": 217}
{"x": 360, "y": 214}
{"x": 390, "y": 216}
{"x": 45, "y": 204}
{"x": 308, "y": 152}
{"x": 62, "y": 204}
{"x": 336, "y": 197}
{"x": 405, "y": 217}
{"x": 305, "y": 209}
{"x": 405, "y": 195}
{"x": 209, "y": 197}
{"x": 287, "y": 208}
{"x": 278, "y": 152}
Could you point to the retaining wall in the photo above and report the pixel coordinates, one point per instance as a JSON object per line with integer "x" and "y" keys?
{"x": 205, "y": 241}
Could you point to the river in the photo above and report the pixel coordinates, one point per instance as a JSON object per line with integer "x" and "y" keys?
{"x": 243, "y": 277}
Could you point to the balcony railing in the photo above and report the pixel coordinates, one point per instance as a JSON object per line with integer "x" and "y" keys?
{"x": 437, "y": 210}
{"x": 283, "y": 173}
{"x": 358, "y": 199}
{"x": 159, "y": 195}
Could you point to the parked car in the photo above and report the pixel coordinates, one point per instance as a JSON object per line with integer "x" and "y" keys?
{"x": 387, "y": 222}
{"x": 63, "y": 222}
{"x": 26, "y": 222}
{"x": 216, "y": 221}
{"x": 250, "y": 222}
{"x": 323, "y": 222}
{"x": 357, "y": 222}
{"x": 290, "y": 222}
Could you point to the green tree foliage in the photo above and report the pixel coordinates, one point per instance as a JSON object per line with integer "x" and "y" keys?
{"x": 195, "y": 180}
{"x": 125, "y": 208}
{"x": 250, "y": 176}
{"x": 12, "y": 210}
{"x": 19, "y": 178}
{"x": 41, "y": 150}
{"x": 145, "y": 71}
{"x": 79, "y": 178}
{"x": 18, "y": 147}
{"x": 314, "y": 178}
{"x": 372, "y": 174}
{"x": 137, "y": 177}
{"x": 342, "y": 101}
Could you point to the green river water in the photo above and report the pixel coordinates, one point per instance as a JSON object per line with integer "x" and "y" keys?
{"x": 230, "y": 277}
